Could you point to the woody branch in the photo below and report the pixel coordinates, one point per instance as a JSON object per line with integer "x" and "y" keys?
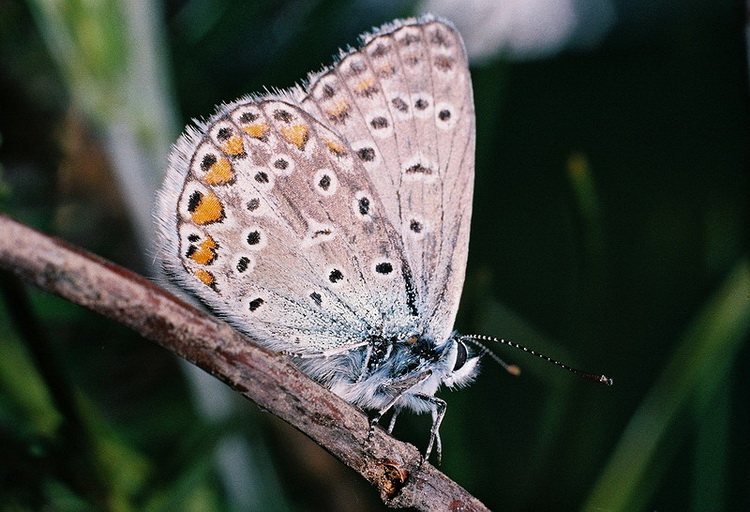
{"x": 266, "y": 378}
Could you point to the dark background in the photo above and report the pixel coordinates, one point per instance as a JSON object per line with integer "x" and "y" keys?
{"x": 610, "y": 231}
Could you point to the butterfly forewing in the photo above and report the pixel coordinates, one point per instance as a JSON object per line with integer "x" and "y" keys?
{"x": 404, "y": 104}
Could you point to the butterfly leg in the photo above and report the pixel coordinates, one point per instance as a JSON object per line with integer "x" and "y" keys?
{"x": 397, "y": 390}
{"x": 438, "y": 407}
{"x": 392, "y": 423}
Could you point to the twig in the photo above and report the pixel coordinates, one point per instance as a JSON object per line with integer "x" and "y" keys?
{"x": 266, "y": 378}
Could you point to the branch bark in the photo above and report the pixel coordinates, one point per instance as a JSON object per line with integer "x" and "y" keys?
{"x": 266, "y": 378}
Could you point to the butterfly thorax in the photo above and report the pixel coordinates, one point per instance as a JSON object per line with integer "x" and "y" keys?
{"x": 399, "y": 371}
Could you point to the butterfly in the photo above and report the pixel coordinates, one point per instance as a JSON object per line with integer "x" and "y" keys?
{"x": 330, "y": 221}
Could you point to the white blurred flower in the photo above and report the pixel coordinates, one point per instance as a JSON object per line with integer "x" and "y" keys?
{"x": 525, "y": 29}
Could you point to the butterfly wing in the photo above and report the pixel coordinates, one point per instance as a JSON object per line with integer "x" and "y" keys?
{"x": 278, "y": 229}
{"x": 403, "y": 103}
{"x": 316, "y": 218}
{"x": 336, "y": 216}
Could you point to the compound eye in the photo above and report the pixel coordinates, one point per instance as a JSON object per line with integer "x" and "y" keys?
{"x": 461, "y": 356}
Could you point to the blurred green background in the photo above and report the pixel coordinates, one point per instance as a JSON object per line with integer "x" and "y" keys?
{"x": 610, "y": 231}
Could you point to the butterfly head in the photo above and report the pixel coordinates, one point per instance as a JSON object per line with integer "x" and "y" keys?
{"x": 463, "y": 361}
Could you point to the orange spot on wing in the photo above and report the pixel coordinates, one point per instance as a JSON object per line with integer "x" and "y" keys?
{"x": 335, "y": 146}
{"x": 207, "y": 209}
{"x": 219, "y": 173}
{"x": 205, "y": 277}
{"x": 338, "y": 108}
{"x": 233, "y": 146}
{"x": 297, "y": 134}
{"x": 339, "y": 112}
{"x": 257, "y": 130}
{"x": 365, "y": 86}
{"x": 205, "y": 252}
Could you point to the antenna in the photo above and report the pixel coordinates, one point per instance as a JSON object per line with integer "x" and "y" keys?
{"x": 475, "y": 339}
{"x": 483, "y": 350}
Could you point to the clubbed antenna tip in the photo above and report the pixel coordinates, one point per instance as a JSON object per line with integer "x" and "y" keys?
{"x": 515, "y": 370}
